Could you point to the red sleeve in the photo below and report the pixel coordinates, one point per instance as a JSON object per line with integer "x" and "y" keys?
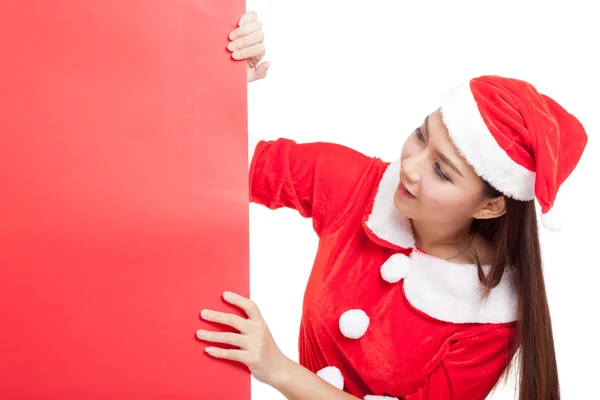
{"x": 316, "y": 179}
{"x": 471, "y": 368}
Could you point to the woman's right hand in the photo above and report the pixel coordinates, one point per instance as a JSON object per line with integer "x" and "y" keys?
{"x": 247, "y": 43}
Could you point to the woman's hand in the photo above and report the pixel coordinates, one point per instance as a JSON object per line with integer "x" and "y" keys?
{"x": 257, "y": 349}
{"x": 247, "y": 44}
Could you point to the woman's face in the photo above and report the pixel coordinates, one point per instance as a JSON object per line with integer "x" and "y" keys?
{"x": 437, "y": 184}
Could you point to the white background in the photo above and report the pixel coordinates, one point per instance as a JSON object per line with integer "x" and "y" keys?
{"x": 365, "y": 73}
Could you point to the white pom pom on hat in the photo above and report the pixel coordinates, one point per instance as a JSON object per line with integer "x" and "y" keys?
{"x": 520, "y": 141}
{"x": 553, "y": 220}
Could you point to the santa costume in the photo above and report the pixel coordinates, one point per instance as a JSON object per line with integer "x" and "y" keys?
{"x": 380, "y": 317}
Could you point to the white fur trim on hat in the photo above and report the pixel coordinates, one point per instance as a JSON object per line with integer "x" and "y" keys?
{"x": 478, "y": 146}
{"x": 333, "y": 376}
{"x": 395, "y": 268}
{"x": 371, "y": 397}
{"x": 354, "y": 323}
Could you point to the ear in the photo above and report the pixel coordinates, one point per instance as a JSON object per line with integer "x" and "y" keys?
{"x": 491, "y": 208}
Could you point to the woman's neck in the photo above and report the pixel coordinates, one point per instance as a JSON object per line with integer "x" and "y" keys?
{"x": 441, "y": 240}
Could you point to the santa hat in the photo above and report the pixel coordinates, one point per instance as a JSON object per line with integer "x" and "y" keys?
{"x": 520, "y": 141}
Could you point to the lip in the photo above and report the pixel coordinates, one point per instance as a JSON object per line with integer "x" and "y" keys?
{"x": 404, "y": 192}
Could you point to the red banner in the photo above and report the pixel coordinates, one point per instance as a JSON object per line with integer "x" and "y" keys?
{"x": 124, "y": 204}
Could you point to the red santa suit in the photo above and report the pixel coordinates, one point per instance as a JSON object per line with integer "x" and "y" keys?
{"x": 380, "y": 317}
{"x": 391, "y": 319}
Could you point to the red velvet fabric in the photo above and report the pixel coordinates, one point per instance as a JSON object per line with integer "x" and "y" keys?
{"x": 405, "y": 353}
{"x": 534, "y": 130}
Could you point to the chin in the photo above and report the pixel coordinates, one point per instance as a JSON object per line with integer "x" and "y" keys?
{"x": 401, "y": 206}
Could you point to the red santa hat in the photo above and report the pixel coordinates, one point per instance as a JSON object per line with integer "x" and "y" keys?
{"x": 520, "y": 141}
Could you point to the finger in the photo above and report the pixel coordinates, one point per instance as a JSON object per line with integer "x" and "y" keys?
{"x": 252, "y": 51}
{"x": 247, "y": 29}
{"x": 247, "y": 41}
{"x": 233, "y": 339}
{"x": 226, "y": 354}
{"x": 249, "y": 307}
{"x": 234, "y": 321}
{"x": 261, "y": 70}
{"x": 251, "y": 75}
{"x": 248, "y": 17}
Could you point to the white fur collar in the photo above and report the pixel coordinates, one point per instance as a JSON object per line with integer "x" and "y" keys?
{"x": 385, "y": 222}
{"x": 444, "y": 290}
{"x": 452, "y": 292}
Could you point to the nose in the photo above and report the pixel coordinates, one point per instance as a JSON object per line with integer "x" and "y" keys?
{"x": 408, "y": 171}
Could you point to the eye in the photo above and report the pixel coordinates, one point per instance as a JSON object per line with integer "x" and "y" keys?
{"x": 440, "y": 172}
{"x": 419, "y": 134}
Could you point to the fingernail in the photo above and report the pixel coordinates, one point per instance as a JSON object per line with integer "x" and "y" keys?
{"x": 232, "y": 35}
{"x": 236, "y": 54}
{"x": 200, "y": 333}
{"x": 205, "y": 313}
{"x": 209, "y": 349}
{"x": 232, "y": 46}
{"x": 227, "y": 295}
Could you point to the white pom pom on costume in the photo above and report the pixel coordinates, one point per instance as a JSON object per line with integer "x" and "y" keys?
{"x": 333, "y": 376}
{"x": 552, "y": 220}
{"x": 371, "y": 397}
{"x": 354, "y": 323}
{"x": 395, "y": 268}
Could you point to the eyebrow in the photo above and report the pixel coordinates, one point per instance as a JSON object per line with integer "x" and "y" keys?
{"x": 442, "y": 157}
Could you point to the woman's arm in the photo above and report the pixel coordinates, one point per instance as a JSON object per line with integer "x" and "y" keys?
{"x": 316, "y": 179}
{"x": 298, "y": 383}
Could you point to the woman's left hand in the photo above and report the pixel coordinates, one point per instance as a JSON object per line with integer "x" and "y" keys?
{"x": 247, "y": 43}
{"x": 257, "y": 349}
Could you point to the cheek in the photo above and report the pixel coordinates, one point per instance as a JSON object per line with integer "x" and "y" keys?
{"x": 442, "y": 199}
{"x": 409, "y": 148}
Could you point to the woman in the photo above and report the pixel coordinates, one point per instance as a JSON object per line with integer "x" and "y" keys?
{"x": 428, "y": 278}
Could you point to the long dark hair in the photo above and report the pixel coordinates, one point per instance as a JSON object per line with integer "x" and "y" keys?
{"x": 515, "y": 238}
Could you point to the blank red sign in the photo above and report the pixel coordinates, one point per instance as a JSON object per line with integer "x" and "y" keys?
{"x": 124, "y": 204}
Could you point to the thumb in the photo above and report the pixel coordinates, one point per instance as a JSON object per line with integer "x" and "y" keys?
{"x": 261, "y": 70}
